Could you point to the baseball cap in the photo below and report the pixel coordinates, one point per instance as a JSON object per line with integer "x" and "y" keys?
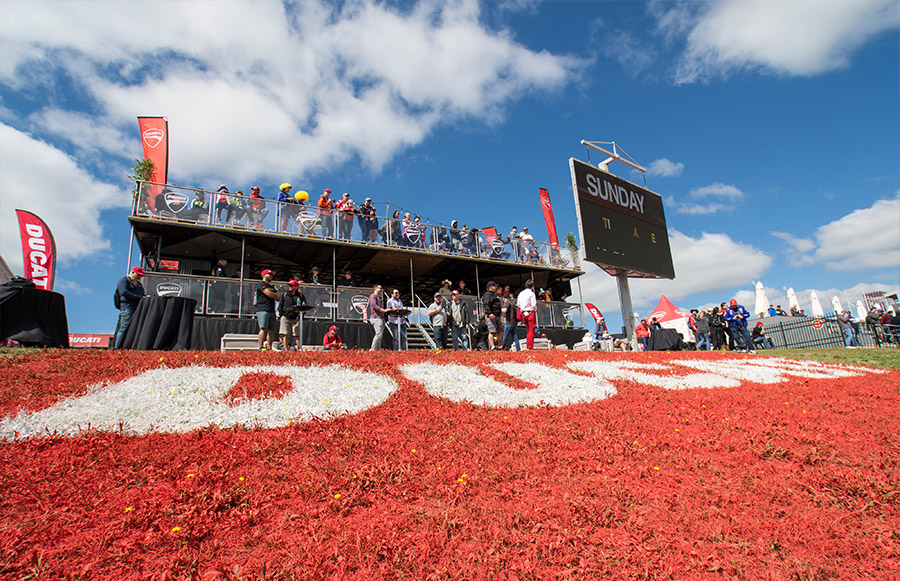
{"x": 332, "y": 328}
{"x": 293, "y": 282}
{"x": 138, "y": 270}
{"x": 254, "y": 189}
{"x": 456, "y": 292}
{"x": 733, "y": 302}
{"x": 368, "y": 199}
{"x": 265, "y": 272}
{"x": 437, "y": 294}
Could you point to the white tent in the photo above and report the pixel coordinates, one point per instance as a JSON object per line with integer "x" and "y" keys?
{"x": 762, "y": 303}
{"x": 792, "y": 299}
{"x": 861, "y": 311}
{"x": 836, "y": 303}
{"x": 815, "y": 306}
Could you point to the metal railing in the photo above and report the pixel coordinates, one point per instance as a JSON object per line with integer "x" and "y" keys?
{"x": 238, "y": 212}
{"x": 812, "y": 332}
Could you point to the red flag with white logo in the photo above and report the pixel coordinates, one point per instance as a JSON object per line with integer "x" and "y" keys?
{"x": 548, "y": 216}
{"x": 155, "y": 140}
{"x": 594, "y": 311}
{"x": 38, "y": 250}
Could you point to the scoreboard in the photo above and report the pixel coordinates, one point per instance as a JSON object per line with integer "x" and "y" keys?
{"x": 623, "y": 226}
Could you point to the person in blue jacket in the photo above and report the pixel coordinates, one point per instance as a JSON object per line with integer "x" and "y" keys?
{"x": 736, "y": 316}
{"x": 130, "y": 292}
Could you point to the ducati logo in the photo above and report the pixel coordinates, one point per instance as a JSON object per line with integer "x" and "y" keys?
{"x": 153, "y": 137}
{"x": 307, "y": 220}
{"x": 497, "y": 245}
{"x": 413, "y": 234}
{"x": 168, "y": 289}
{"x": 545, "y": 202}
{"x": 176, "y": 201}
{"x": 360, "y": 302}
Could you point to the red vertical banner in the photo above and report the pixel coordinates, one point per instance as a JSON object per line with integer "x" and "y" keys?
{"x": 38, "y": 250}
{"x": 594, "y": 311}
{"x": 548, "y": 217}
{"x": 489, "y": 234}
{"x": 155, "y": 140}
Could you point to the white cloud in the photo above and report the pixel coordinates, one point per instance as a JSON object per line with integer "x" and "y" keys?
{"x": 665, "y": 168}
{"x": 41, "y": 179}
{"x": 799, "y": 37}
{"x": 293, "y": 88}
{"x": 712, "y": 262}
{"x": 865, "y": 239}
{"x": 711, "y": 199}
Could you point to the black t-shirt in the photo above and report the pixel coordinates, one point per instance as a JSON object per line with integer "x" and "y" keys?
{"x": 264, "y": 303}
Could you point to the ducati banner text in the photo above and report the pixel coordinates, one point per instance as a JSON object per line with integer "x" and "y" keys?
{"x": 548, "y": 216}
{"x": 594, "y": 311}
{"x": 38, "y": 250}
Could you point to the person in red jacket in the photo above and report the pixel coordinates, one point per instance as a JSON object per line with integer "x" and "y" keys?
{"x": 332, "y": 340}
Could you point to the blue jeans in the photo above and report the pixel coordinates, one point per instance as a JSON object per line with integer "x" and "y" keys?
{"x": 440, "y": 336}
{"x": 398, "y": 331}
{"x": 703, "y": 339}
{"x": 850, "y": 338}
{"x": 124, "y": 322}
{"x": 742, "y": 337}
{"x": 510, "y": 329}
{"x": 460, "y": 337}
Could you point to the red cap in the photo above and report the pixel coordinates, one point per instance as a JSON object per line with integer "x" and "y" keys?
{"x": 254, "y": 189}
{"x": 733, "y": 302}
{"x": 265, "y": 272}
{"x": 326, "y": 191}
{"x": 293, "y": 282}
{"x": 332, "y": 328}
{"x": 138, "y": 270}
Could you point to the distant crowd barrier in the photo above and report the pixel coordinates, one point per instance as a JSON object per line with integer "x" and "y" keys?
{"x": 236, "y": 212}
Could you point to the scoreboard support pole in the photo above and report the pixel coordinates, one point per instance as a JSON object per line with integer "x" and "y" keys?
{"x": 625, "y": 305}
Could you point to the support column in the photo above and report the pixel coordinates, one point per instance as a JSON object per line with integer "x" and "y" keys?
{"x": 625, "y": 304}
{"x": 241, "y": 287}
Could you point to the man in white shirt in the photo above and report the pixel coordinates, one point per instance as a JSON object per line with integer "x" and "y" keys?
{"x": 527, "y": 304}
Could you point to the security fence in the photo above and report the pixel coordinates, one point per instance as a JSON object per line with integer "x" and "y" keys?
{"x": 810, "y": 332}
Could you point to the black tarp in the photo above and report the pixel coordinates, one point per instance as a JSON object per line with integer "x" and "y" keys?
{"x": 32, "y": 316}
{"x": 161, "y": 323}
{"x": 665, "y": 340}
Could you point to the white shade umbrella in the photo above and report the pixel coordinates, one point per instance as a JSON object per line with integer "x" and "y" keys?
{"x": 861, "y": 311}
{"x": 814, "y": 305}
{"x": 836, "y": 303}
{"x": 792, "y": 299}
{"x": 762, "y": 303}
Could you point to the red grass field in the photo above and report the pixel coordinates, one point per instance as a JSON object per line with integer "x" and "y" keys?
{"x": 792, "y": 480}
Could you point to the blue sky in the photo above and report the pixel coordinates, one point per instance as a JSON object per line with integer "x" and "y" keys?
{"x": 770, "y": 127}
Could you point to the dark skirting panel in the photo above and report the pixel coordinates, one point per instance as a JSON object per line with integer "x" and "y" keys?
{"x": 665, "y": 340}
{"x": 208, "y": 332}
{"x": 161, "y": 323}
{"x": 33, "y": 317}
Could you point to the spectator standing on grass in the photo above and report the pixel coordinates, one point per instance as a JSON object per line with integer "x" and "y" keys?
{"x": 129, "y": 292}
{"x": 459, "y": 322}
{"x": 736, "y": 316}
{"x": 526, "y": 302}
{"x": 701, "y": 330}
{"x": 717, "y": 328}
{"x": 376, "y": 316}
{"x": 437, "y": 312}
{"x": 846, "y": 327}
{"x": 266, "y": 295}
{"x": 492, "y": 313}
{"x": 873, "y": 322}
{"x": 290, "y": 318}
{"x": 510, "y": 320}
{"x": 642, "y": 332}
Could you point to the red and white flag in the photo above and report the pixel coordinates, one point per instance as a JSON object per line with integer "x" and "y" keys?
{"x": 38, "y": 250}
{"x": 155, "y": 139}
{"x": 548, "y": 216}
{"x": 594, "y": 311}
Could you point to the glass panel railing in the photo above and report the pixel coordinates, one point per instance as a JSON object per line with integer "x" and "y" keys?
{"x": 236, "y": 211}
{"x": 171, "y": 286}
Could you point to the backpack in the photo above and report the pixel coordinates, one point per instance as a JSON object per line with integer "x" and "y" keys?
{"x": 117, "y": 299}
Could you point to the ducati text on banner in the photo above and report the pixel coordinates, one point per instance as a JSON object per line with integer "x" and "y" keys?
{"x": 38, "y": 250}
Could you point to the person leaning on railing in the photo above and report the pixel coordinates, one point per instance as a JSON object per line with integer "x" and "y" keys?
{"x": 326, "y": 206}
{"x": 257, "y": 207}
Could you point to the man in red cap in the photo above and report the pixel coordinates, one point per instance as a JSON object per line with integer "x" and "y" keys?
{"x": 129, "y": 293}
{"x": 265, "y": 310}
{"x": 326, "y": 205}
{"x": 331, "y": 340}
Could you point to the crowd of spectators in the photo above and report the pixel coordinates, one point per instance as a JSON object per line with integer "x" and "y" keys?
{"x": 344, "y": 219}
